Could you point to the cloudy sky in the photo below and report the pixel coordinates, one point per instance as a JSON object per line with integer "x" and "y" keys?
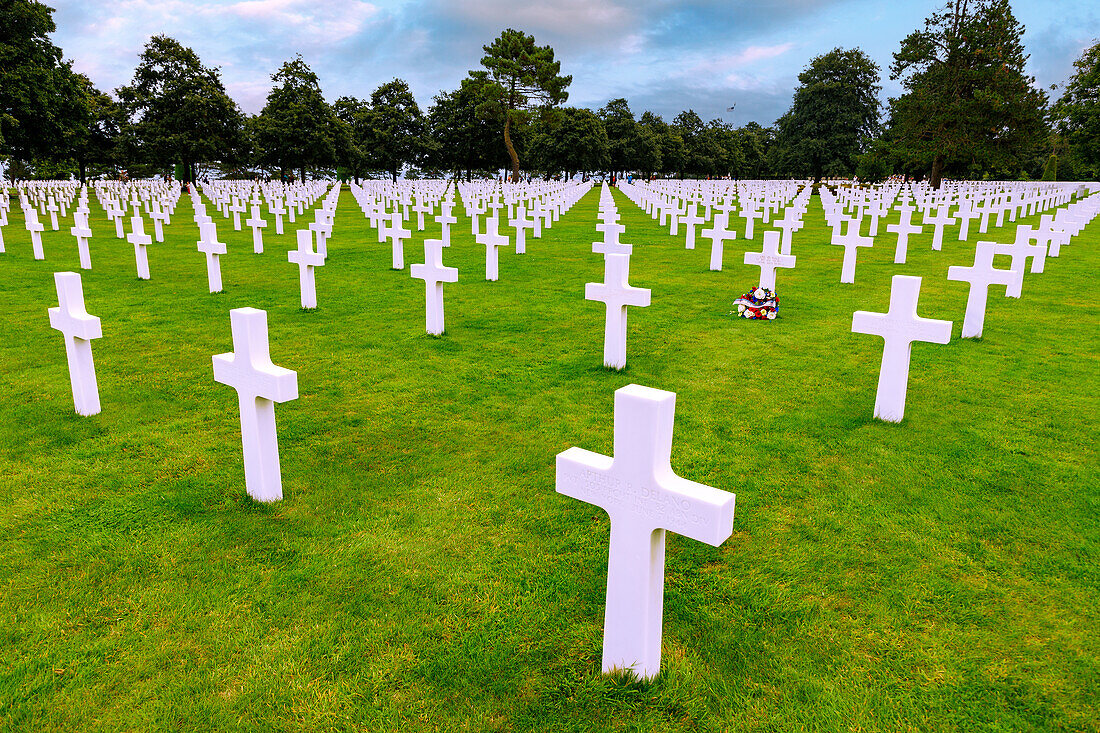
{"x": 661, "y": 55}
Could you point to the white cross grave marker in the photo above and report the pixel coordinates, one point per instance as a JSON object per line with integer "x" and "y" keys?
{"x": 257, "y": 223}
{"x": 980, "y": 276}
{"x": 35, "y": 227}
{"x": 82, "y": 232}
{"x": 769, "y": 259}
{"x": 851, "y": 241}
{"x": 903, "y": 229}
{"x": 717, "y": 234}
{"x": 259, "y": 384}
{"x": 617, "y": 294}
{"x": 306, "y": 259}
{"x": 72, "y": 320}
{"x": 492, "y": 240}
{"x": 434, "y": 274}
{"x": 140, "y": 240}
{"x": 212, "y": 248}
{"x": 396, "y": 231}
{"x": 899, "y": 328}
{"x": 445, "y": 221}
{"x": 1020, "y": 250}
{"x": 644, "y": 499}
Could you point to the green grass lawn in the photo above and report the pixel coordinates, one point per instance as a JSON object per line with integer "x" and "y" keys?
{"x": 422, "y": 574}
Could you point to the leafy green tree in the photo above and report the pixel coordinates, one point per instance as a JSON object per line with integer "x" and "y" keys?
{"x": 698, "y": 152}
{"x": 833, "y": 118}
{"x": 523, "y": 77}
{"x": 462, "y": 139}
{"x": 1077, "y": 113}
{"x": 352, "y": 132}
{"x": 622, "y": 134}
{"x": 669, "y": 142}
{"x": 97, "y": 121}
{"x": 396, "y": 128}
{"x": 37, "y": 88}
{"x": 756, "y": 142}
{"x": 968, "y": 105}
{"x": 179, "y": 110}
{"x": 296, "y": 129}
{"x": 573, "y": 140}
{"x": 725, "y": 140}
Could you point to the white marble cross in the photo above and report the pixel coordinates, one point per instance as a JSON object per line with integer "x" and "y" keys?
{"x": 903, "y": 229}
{"x": 611, "y": 243}
{"x": 899, "y": 328}
{"x": 850, "y": 241}
{"x": 237, "y": 207}
{"x": 644, "y": 499}
{"x": 980, "y": 276}
{"x": 690, "y": 220}
{"x": 257, "y": 223}
{"x": 939, "y": 221}
{"x": 53, "y": 208}
{"x": 212, "y": 248}
{"x": 259, "y": 384}
{"x": 617, "y": 295}
{"x": 277, "y": 210}
{"x": 35, "y": 227}
{"x": 160, "y": 217}
{"x": 434, "y": 274}
{"x": 521, "y": 224}
{"x": 769, "y": 259}
{"x": 492, "y": 240}
{"x": 397, "y": 232}
{"x": 717, "y": 234}
{"x": 82, "y": 232}
{"x": 72, "y": 320}
{"x": 445, "y": 220}
{"x": 1020, "y": 250}
{"x": 140, "y": 240}
{"x": 306, "y": 259}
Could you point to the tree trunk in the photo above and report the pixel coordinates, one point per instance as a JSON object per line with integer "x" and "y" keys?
{"x": 83, "y": 176}
{"x": 394, "y": 174}
{"x": 508, "y": 145}
{"x": 937, "y": 172}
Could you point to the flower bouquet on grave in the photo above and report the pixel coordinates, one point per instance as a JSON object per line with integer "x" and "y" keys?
{"x": 759, "y": 304}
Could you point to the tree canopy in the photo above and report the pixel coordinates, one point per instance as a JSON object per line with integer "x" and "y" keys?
{"x": 968, "y": 102}
{"x": 296, "y": 129}
{"x": 179, "y": 109}
{"x": 833, "y": 118}
{"x": 522, "y": 77}
{"x": 1077, "y": 112}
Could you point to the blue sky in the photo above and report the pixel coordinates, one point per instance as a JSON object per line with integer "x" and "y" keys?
{"x": 661, "y": 55}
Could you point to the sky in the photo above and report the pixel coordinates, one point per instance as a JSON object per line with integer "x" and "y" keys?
{"x": 661, "y": 55}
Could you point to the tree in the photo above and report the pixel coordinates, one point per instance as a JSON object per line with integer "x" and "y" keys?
{"x": 179, "y": 109}
{"x": 296, "y": 129}
{"x": 573, "y": 140}
{"x": 670, "y": 145}
{"x": 352, "y": 133}
{"x": 36, "y": 86}
{"x": 523, "y": 77}
{"x": 968, "y": 104}
{"x": 833, "y": 118}
{"x": 462, "y": 139}
{"x": 97, "y": 121}
{"x": 622, "y": 134}
{"x": 396, "y": 128}
{"x": 1077, "y": 113}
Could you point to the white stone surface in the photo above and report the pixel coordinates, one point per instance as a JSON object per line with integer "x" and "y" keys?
{"x": 851, "y": 241}
{"x": 644, "y": 499}
{"x": 140, "y": 240}
{"x": 72, "y": 320}
{"x": 617, "y": 294}
{"x": 717, "y": 234}
{"x": 1019, "y": 251}
{"x": 82, "y": 232}
{"x": 769, "y": 259}
{"x": 306, "y": 259}
{"x": 212, "y": 248}
{"x": 257, "y": 223}
{"x": 903, "y": 229}
{"x": 492, "y": 241}
{"x": 434, "y": 274}
{"x": 899, "y": 328}
{"x": 259, "y": 384}
{"x": 980, "y": 276}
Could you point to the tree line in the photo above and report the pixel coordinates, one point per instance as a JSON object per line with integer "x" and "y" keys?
{"x": 968, "y": 109}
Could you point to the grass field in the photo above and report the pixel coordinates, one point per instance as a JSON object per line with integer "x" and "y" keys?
{"x": 422, "y": 574}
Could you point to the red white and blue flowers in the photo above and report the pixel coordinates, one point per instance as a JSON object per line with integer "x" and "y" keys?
{"x": 759, "y": 304}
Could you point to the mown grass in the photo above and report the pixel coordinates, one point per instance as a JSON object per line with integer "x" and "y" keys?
{"x": 422, "y": 573}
